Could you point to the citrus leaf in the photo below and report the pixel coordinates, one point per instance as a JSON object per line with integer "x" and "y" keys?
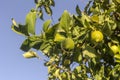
{"x": 65, "y": 21}
{"x": 78, "y": 10}
{"x": 31, "y": 21}
{"x": 25, "y": 45}
{"x": 52, "y": 3}
{"x": 89, "y": 51}
{"x": 95, "y": 18}
{"x": 48, "y": 10}
{"x": 118, "y": 1}
{"x": 40, "y": 14}
{"x": 46, "y": 25}
{"x": 21, "y": 29}
{"x": 30, "y": 54}
{"x": 117, "y": 56}
{"x": 31, "y": 42}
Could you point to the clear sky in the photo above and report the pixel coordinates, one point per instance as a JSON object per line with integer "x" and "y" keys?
{"x": 12, "y": 64}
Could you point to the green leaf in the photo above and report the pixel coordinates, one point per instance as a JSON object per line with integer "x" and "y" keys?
{"x": 118, "y": 1}
{"x": 98, "y": 77}
{"x": 25, "y": 45}
{"x": 65, "y": 21}
{"x": 31, "y": 21}
{"x": 85, "y": 19}
{"x": 31, "y": 42}
{"x": 78, "y": 69}
{"x": 21, "y": 29}
{"x": 90, "y": 52}
{"x": 52, "y": 3}
{"x": 87, "y": 6}
{"x": 95, "y": 18}
{"x": 78, "y": 10}
{"x": 40, "y": 14}
{"x": 46, "y": 25}
{"x": 48, "y": 10}
{"x": 51, "y": 31}
{"x": 117, "y": 56}
{"x": 30, "y": 54}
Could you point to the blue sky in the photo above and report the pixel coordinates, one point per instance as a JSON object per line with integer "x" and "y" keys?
{"x": 12, "y": 64}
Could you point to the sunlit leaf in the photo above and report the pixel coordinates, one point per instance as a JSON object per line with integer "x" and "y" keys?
{"x": 118, "y": 1}
{"x": 46, "y": 25}
{"x": 89, "y": 51}
{"x": 65, "y": 21}
{"x": 48, "y": 10}
{"x": 30, "y": 54}
{"x": 78, "y": 10}
{"x": 31, "y": 21}
{"x": 40, "y": 14}
{"x": 21, "y": 29}
{"x": 95, "y": 18}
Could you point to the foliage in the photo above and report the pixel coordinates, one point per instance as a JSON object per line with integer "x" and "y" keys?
{"x": 83, "y": 58}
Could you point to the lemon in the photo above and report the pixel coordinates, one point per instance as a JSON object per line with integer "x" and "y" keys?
{"x": 97, "y": 36}
{"x": 115, "y": 49}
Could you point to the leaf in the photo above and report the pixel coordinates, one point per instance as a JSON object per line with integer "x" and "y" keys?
{"x": 31, "y": 21}
{"x": 57, "y": 72}
{"x": 98, "y": 77}
{"x": 65, "y": 21}
{"x": 52, "y": 3}
{"x": 25, "y": 45}
{"x": 78, "y": 69}
{"x": 46, "y": 25}
{"x": 95, "y": 18}
{"x": 85, "y": 19}
{"x": 89, "y": 51}
{"x": 21, "y": 29}
{"x": 48, "y": 10}
{"x": 78, "y": 10}
{"x": 40, "y": 14}
{"x": 87, "y": 6}
{"x": 30, "y": 54}
{"x": 117, "y": 56}
{"x": 31, "y": 42}
{"x": 118, "y": 1}
{"x": 51, "y": 31}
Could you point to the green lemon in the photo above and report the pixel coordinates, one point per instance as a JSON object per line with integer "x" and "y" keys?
{"x": 59, "y": 37}
{"x": 115, "y": 49}
{"x": 68, "y": 43}
{"x": 97, "y": 36}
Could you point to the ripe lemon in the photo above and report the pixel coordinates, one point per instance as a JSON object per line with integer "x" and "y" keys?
{"x": 97, "y": 36}
{"x": 68, "y": 43}
{"x": 115, "y": 49}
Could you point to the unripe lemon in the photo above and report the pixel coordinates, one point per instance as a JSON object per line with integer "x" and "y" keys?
{"x": 115, "y": 49}
{"x": 68, "y": 43}
{"x": 59, "y": 37}
{"x": 97, "y": 36}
